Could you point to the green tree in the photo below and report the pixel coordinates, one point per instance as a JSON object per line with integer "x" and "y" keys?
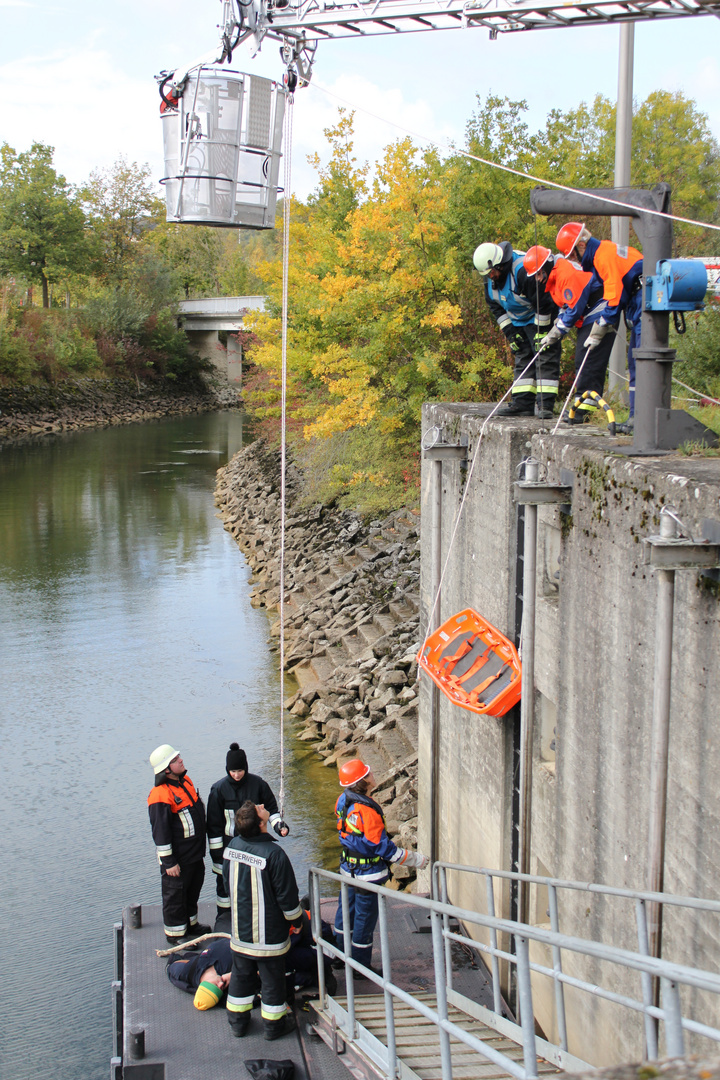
{"x": 193, "y": 253}
{"x": 42, "y": 225}
{"x": 122, "y": 205}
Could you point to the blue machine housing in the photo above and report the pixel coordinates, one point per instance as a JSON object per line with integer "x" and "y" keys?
{"x": 677, "y": 285}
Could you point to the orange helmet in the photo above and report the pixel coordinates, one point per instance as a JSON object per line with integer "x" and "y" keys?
{"x": 535, "y": 259}
{"x": 352, "y": 771}
{"x": 568, "y": 237}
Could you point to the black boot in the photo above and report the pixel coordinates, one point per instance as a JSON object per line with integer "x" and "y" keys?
{"x": 275, "y": 1029}
{"x": 544, "y": 407}
{"x": 239, "y": 1023}
{"x": 521, "y": 405}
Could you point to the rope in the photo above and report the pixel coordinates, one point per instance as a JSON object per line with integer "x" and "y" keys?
{"x": 189, "y": 944}
{"x": 446, "y": 144}
{"x": 283, "y": 423}
{"x": 575, "y": 380}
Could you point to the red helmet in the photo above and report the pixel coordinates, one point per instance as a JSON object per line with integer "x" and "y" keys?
{"x": 535, "y": 259}
{"x": 352, "y": 771}
{"x": 568, "y": 237}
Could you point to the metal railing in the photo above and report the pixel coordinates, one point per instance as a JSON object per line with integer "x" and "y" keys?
{"x": 671, "y": 976}
{"x": 643, "y": 903}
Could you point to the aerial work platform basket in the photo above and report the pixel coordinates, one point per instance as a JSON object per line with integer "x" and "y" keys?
{"x": 222, "y": 135}
{"x": 474, "y": 665}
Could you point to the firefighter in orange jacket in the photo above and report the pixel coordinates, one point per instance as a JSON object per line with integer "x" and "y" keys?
{"x": 620, "y": 270}
{"x": 367, "y": 852}
{"x": 579, "y": 295}
{"x": 177, "y": 819}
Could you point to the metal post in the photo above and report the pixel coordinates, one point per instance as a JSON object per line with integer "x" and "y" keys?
{"x": 316, "y": 923}
{"x": 441, "y": 994}
{"x": 527, "y": 1018}
{"x": 557, "y": 968}
{"x": 674, "y": 1040}
{"x": 347, "y": 949}
{"x": 495, "y": 964}
{"x": 660, "y": 738}
{"x": 653, "y": 361}
{"x": 435, "y": 619}
{"x": 387, "y": 977}
{"x": 446, "y": 927}
{"x": 620, "y": 226}
{"x": 651, "y": 1041}
{"x": 527, "y": 700}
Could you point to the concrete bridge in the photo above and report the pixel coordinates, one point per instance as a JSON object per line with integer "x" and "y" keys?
{"x": 202, "y": 321}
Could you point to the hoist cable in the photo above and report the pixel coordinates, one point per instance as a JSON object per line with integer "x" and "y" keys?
{"x": 446, "y": 144}
{"x": 287, "y": 164}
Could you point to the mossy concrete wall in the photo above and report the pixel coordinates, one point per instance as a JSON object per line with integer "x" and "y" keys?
{"x": 595, "y": 643}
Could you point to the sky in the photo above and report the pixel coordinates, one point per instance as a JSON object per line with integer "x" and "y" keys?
{"x": 79, "y": 75}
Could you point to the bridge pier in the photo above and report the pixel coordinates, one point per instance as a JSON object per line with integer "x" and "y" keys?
{"x": 203, "y": 319}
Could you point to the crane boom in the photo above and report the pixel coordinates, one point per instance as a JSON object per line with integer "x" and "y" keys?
{"x": 321, "y": 20}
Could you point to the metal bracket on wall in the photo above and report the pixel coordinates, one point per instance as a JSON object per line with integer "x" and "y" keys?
{"x": 446, "y": 452}
{"x": 537, "y": 494}
{"x": 669, "y": 553}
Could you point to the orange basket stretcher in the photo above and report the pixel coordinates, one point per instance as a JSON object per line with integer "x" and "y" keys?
{"x": 474, "y": 665}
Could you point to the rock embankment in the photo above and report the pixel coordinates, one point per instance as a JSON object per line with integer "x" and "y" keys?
{"x": 351, "y": 623}
{"x": 86, "y": 403}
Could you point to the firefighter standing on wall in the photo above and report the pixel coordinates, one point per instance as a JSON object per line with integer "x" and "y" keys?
{"x": 264, "y": 903}
{"x": 579, "y": 295}
{"x": 225, "y": 799}
{"x": 367, "y": 851}
{"x": 524, "y": 314}
{"x": 177, "y": 819}
{"x": 620, "y": 270}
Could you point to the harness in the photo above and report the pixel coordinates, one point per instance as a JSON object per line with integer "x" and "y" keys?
{"x": 348, "y": 856}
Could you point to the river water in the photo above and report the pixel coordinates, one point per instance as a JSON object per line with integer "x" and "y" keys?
{"x": 125, "y": 622}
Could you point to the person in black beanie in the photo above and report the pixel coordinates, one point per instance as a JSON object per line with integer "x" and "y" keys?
{"x": 225, "y": 799}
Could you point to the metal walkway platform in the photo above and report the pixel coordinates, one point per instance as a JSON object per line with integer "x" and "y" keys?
{"x": 182, "y": 1043}
{"x": 418, "y": 1043}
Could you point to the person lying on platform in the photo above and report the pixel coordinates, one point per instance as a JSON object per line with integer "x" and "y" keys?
{"x": 260, "y": 880}
{"x": 225, "y": 799}
{"x": 205, "y": 974}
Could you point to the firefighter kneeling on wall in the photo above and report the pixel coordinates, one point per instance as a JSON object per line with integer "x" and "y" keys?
{"x": 367, "y": 851}
{"x": 264, "y": 903}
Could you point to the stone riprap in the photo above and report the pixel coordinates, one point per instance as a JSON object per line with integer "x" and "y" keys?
{"x": 351, "y": 623}
{"x": 89, "y": 403}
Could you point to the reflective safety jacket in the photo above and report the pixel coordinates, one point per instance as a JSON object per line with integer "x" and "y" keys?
{"x": 227, "y": 796}
{"x": 177, "y": 819}
{"x": 578, "y": 294}
{"x": 366, "y": 847}
{"x": 260, "y": 882}
{"x": 518, "y": 301}
{"x": 619, "y": 269}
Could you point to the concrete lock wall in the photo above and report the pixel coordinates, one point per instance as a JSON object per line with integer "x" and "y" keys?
{"x": 595, "y": 642}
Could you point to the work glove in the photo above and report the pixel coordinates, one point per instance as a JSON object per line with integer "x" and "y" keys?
{"x": 544, "y": 342}
{"x": 516, "y": 338}
{"x": 281, "y": 827}
{"x": 417, "y": 860}
{"x": 596, "y": 335}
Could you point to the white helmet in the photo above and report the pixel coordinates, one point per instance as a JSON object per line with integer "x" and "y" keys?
{"x": 486, "y": 257}
{"x": 161, "y": 757}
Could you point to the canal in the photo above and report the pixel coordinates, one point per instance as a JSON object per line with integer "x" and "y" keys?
{"x": 126, "y": 623}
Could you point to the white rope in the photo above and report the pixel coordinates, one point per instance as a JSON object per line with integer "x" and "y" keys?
{"x": 705, "y": 397}
{"x": 461, "y": 507}
{"x": 575, "y": 381}
{"x": 283, "y": 441}
{"x": 446, "y": 144}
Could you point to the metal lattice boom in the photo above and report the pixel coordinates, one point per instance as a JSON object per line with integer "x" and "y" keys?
{"x": 318, "y": 20}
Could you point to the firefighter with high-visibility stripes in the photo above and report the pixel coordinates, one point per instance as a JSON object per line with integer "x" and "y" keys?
{"x": 579, "y": 295}
{"x": 366, "y": 854}
{"x": 225, "y": 799}
{"x": 524, "y": 314}
{"x": 177, "y": 819}
{"x": 620, "y": 270}
{"x": 264, "y": 904}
